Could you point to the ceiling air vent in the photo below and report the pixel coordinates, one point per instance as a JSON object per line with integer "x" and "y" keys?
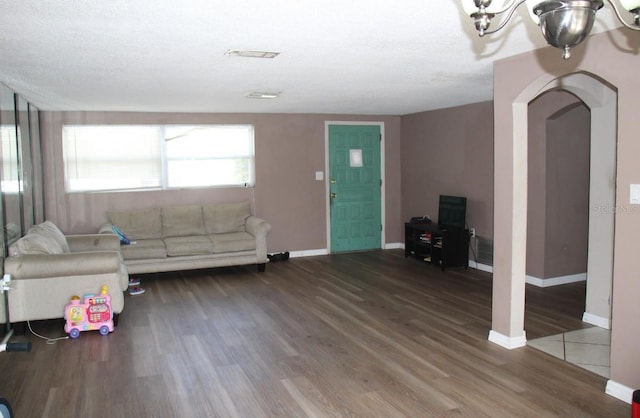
{"x": 263, "y": 94}
{"x": 251, "y": 54}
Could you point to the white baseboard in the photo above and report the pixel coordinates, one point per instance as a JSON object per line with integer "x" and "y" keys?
{"x": 619, "y": 391}
{"x": 507, "y": 342}
{"x": 480, "y": 266}
{"x": 555, "y": 281}
{"x": 308, "y": 253}
{"x": 324, "y": 251}
{"x": 596, "y": 320}
{"x": 389, "y": 246}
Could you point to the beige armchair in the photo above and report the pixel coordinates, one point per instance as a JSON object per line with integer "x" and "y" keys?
{"x": 47, "y": 268}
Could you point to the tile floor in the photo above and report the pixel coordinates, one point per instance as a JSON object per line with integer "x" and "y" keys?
{"x": 588, "y": 348}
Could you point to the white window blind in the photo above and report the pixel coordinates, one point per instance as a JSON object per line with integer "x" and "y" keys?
{"x": 209, "y": 155}
{"x": 111, "y": 157}
{"x": 126, "y": 157}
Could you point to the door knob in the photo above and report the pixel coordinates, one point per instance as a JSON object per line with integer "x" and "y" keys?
{"x": 333, "y": 195}
{"x": 333, "y": 181}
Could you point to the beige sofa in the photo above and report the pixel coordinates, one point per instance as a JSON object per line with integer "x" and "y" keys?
{"x": 47, "y": 268}
{"x": 190, "y": 237}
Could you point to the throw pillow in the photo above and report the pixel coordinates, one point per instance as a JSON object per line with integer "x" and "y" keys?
{"x": 37, "y": 242}
{"x": 138, "y": 223}
{"x": 222, "y": 218}
{"x": 52, "y": 231}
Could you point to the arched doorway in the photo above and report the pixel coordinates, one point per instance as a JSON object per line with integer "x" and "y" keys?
{"x": 510, "y": 241}
{"x": 557, "y": 234}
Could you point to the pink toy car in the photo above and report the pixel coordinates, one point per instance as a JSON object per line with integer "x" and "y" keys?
{"x": 94, "y": 312}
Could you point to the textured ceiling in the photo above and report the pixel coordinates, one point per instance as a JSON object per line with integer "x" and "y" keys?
{"x": 345, "y": 57}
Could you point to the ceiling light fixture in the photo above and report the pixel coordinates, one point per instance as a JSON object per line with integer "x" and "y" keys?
{"x": 251, "y": 54}
{"x": 564, "y": 23}
{"x": 262, "y": 95}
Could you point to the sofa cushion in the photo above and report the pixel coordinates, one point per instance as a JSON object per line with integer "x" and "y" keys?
{"x": 182, "y": 221}
{"x": 233, "y": 241}
{"x": 144, "y": 249}
{"x": 138, "y": 224}
{"x": 36, "y": 242}
{"x": 223, "y": 218}
{"x": 13, "y": 231}
{"x": 50, "y": 229}
{"x": 191, "y": 245}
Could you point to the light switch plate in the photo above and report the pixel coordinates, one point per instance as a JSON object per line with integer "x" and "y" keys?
{"x": 634, "y": 194}
{"x": 319, "y": 175}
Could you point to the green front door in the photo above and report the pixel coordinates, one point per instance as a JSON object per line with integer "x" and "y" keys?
{"x": 355, "y": 187}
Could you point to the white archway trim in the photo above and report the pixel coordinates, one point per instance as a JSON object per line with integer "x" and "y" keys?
{"x": 619, "y": 391}
{"x": 507, "y": 342}
{"x": 596, "y": 95}
{"x": 602, "y": 100}
{"x": 596, "y": 320}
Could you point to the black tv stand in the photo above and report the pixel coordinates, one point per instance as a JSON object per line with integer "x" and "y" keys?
{"x": 441, "y": 246}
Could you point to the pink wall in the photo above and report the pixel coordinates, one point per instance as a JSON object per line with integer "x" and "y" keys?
{"x": 558, "y": 187}
{"x": 290, "y": 148}
{"x": 440, "y": 155}
{"x": 567, "y": 203}
{"x": 449, "y": 151}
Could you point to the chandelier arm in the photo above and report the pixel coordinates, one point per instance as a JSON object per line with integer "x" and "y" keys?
{"x": 504, "y": 22}
{"x": 508, "y": 7}
{"x": 615, "y": 9}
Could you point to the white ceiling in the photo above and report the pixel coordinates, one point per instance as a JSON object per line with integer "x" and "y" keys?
{"x": 344, "y": 57}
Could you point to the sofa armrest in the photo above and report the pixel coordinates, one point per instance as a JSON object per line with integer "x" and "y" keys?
{"x": 93, "y": 242}
{"x": 36, "y": 298}
{"x": 257, "y": 226}
{"x": 106, "y": 228}
{"x": 34, "y": 266}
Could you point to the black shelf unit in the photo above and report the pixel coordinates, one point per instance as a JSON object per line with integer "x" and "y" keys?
{"x": 444, "y": 247}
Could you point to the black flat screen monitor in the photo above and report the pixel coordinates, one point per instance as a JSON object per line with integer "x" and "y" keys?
{"x": 452, "y": 212}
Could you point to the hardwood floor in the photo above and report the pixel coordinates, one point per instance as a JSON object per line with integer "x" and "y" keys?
{"x": 365, "y": 334}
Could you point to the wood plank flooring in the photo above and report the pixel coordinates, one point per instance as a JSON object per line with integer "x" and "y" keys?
{"x": 353, "y": 335}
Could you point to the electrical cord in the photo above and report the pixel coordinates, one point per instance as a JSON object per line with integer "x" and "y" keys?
{"x": 48, "y": 340}
{"x": 473, "y": 251}
{"x": 253, "y": 197}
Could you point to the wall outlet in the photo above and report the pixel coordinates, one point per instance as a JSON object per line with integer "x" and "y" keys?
{"x": 5, "y": 282}
{"x": 472, "y": 232}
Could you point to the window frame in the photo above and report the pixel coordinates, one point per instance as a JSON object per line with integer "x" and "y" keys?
{"x": 164, "y": 159}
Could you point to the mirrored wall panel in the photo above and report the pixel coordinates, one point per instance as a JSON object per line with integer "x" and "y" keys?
{"x": 37, "y": 180}
{"x": 10, "y": 184}
{"x": 21, "y": 181}
{"x": 21, "y": 190}
{"x": 26, "y": 165}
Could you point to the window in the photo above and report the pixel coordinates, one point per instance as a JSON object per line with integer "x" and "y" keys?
{"x": 10, "y": 170}
{"x": 209, "y": 155}
{"x": 160, "y": 156}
